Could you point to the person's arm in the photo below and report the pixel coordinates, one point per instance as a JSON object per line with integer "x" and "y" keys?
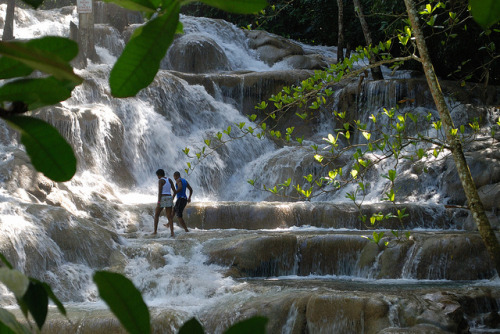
{"x": 161, "y": 182}
{"x": 173, "y": 188}
{"x": 190, "y": 191}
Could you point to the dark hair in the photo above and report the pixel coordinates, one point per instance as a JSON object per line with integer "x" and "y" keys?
{"x": 177, "y": 173}
{"x": 160, "y": 172}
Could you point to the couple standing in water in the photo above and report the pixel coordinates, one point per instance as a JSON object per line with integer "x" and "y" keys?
{"x": 166, "y": 194}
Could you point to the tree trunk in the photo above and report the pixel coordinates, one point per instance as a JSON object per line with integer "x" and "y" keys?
{"x": 376, "y": 71}
{"x": 8, "y": 29}
{"x": 340, "y": 44}
{"x": 348, "y": 50}
{"x": 475, "y": 204}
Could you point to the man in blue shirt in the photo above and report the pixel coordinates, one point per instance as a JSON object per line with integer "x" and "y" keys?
{"x": 182, "y": 200}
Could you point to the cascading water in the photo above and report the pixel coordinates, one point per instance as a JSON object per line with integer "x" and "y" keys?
{"x": 304, "y": 265}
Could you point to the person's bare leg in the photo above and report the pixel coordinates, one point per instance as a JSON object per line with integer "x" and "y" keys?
{"x": 157, "y": 218}
{"x": 170, "y": 216}
{"x": 183, "y": 224}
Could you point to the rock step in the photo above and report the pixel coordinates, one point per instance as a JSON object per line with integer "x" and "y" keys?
{"x": 305, "y": 308}
{"x": 272, "y": 215}
{"x": 456, "y": 256}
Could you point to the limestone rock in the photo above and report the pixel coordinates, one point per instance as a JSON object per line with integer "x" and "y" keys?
{"x": 346, "y": 314}
{"x": 454, "y": 257}
{"x": 330, "y": 255}
{"x": 484, "y": 165}
{"x": 259, "y": 256}
{"x": 115, "y": 16}
{"x": 272, "y": 48}
{"x": 490, "y": 196}
{"x": 470, "y": 224}
{"x": 196, "y": 54}
{"x": 307, "y": 62}
{"x": 109, "y": 38}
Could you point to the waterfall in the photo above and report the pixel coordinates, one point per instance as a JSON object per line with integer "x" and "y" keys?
{"x": 307, "y": 266}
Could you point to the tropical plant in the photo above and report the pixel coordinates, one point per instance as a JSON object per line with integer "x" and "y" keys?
{"x": 391, "y": 139}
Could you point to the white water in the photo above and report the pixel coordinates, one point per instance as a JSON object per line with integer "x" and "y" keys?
{"x": 155, "y": 131}
{"x": 155, "y": 127}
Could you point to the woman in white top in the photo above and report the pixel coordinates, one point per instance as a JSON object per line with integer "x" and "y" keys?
{"x": 166, "y": 193}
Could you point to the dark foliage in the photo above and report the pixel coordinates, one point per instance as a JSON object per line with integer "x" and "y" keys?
{"x": 460, "y": 57}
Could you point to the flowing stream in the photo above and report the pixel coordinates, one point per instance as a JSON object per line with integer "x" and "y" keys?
{"x": 304, "y": 265}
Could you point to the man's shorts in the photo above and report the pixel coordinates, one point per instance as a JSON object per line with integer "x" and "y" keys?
{"x": 166, "y": 202}
{"x": 179, "y": 206}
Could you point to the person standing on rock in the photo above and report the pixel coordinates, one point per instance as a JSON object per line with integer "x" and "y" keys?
{"x": 166, "y": 193}
{"x": 182, "y": 199}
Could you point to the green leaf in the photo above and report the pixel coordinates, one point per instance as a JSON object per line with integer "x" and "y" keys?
{"x": 64, "y": 48}
{"x": 191, "y": 326}
{"x": 37, "y": 58}
{"x": 238, "y": 6}
{"x": 354, "y": 173}
{"x": 124, "y": 300}
{"x": 485, "y": 12}
{"x": 377, "y": 236}
{"x": 254, "y": 325}
{"x": 37, "y": 93}
{"x": 137, "y": 5}
{"x": 11, "y": 68}
{"x": 140, "y": 60}
{"x": 15, "y": 281}
{"x": 9, "y": 324}
{"x": 36, "y": 301}
{"x": 48, "y": 150}
{"x": 51, "y": 295}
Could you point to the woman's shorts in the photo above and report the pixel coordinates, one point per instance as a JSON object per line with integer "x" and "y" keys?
{"x": 166, "y": 202}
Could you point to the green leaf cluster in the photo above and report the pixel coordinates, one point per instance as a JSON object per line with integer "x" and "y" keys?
{"x": 32, "y": 297}
{"x": 50, "y": 153}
